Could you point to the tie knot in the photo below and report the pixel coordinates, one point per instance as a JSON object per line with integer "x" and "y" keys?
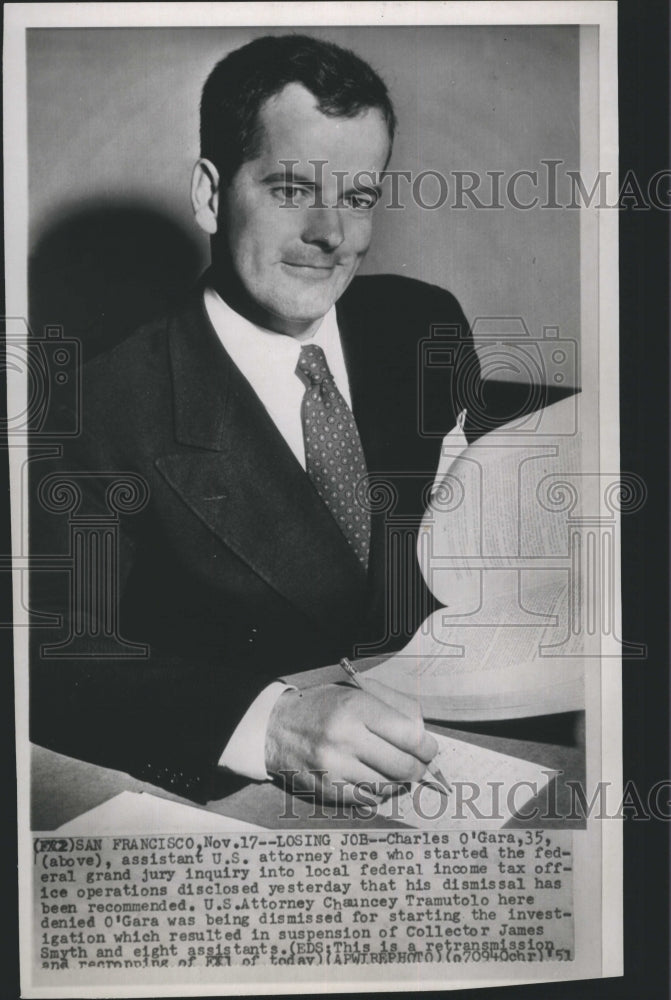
{"x": 312, "y": 367}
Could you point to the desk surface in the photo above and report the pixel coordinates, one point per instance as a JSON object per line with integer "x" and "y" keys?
{"x": 63, "y": 788}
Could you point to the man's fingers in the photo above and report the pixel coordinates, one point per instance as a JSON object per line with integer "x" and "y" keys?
{"x": 356, "y": 782}
{"x": 387, "y": 761}
{"x": 351, "y": 735}
{"x": 408, "y": 735}
{"x": 369, "y": 781}
{"x": 393, "y": 745}
{"x": 429, "y": 747}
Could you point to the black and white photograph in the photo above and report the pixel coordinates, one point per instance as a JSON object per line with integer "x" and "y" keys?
{"x": 312, "y": 328}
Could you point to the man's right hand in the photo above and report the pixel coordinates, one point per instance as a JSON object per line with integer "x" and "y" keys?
{"x": 375, "y": 736}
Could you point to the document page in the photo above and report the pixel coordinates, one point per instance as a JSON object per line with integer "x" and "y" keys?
{"x": 312, "y": 355}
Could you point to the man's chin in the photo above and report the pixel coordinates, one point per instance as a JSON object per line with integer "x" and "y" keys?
{"x": 301, "y": 313}
{"x": 298, "y": 304}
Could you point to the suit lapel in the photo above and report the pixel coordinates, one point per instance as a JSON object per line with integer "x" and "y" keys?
{"x": 238, "y": 475}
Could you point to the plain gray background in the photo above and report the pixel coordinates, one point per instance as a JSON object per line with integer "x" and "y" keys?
{"x": 113, "y": 135}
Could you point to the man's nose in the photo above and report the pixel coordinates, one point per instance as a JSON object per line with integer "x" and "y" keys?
{"x": 324, "y": 226}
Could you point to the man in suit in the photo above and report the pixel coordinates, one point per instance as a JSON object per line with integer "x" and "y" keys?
{"x": 273, "y": 424}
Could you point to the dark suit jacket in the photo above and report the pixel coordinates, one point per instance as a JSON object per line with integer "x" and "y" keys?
{"x": 233, "y": 572}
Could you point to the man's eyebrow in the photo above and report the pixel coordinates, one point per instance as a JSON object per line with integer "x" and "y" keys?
{"x": 288, "y": 177}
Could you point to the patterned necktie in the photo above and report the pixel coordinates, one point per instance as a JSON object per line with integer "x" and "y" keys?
{"x": 334, "y": 457}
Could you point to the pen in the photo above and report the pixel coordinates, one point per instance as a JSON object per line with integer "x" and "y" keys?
{"x": 432, "y": 768}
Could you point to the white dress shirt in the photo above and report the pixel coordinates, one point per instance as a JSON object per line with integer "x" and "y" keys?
{"x": 268, "y": 361}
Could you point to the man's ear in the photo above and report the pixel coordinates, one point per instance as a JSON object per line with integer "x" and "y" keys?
{"x": 205, "y": 195}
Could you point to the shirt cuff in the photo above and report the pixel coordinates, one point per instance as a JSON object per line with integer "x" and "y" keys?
{"x": 245, "y": 752}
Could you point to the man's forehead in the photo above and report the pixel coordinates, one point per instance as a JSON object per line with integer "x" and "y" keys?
{"x": 294, "y": 128}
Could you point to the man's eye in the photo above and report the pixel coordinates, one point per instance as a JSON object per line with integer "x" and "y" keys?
{"x": 362, "y": 200}
{"x": 289, "y": 194}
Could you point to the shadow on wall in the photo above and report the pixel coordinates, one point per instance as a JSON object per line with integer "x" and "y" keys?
{"x": 103, "y": 270}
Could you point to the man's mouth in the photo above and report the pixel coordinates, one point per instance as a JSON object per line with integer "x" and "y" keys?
{"x": 311, "y": 267}
{"x": 311, "y": 270}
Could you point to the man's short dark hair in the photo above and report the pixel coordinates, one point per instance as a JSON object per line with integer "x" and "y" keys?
{"x": 343, "y": 84}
